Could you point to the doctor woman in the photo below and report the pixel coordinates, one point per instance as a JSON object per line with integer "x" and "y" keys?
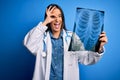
{"x": 49, "y": 42}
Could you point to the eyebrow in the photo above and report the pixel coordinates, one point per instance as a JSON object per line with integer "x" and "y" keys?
{"x": 60, "y": 14}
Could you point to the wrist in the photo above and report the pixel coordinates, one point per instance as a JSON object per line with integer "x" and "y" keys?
{"x": 44, "y": 23}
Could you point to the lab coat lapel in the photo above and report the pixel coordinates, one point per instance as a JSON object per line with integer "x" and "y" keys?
{"x": 49, "y": 53}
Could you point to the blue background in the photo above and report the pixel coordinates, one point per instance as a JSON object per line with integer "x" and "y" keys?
{"x": 17, "y": 17}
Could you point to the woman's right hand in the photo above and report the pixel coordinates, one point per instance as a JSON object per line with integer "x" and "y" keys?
{"x": 49, "y": 14}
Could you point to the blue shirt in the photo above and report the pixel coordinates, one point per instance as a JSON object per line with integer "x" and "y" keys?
{"x": 56, "y": 71}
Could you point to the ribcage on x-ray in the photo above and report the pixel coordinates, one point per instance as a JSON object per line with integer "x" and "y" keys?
{"x": 88, "y": 27}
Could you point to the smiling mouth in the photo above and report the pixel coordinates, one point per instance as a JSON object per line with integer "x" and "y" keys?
{"x": 57, "y": 25}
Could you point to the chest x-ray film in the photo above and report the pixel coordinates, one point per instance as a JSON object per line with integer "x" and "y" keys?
{"x": 88, "y": 25}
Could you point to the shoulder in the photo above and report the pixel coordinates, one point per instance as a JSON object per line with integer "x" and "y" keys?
{"x": 68, "y": 33}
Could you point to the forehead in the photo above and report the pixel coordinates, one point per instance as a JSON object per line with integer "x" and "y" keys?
{"x": 56, "y": 11}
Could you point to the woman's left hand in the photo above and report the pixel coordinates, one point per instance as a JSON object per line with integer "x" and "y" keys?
{"x": 103, "y": 39}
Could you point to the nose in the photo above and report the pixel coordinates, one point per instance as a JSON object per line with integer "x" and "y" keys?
{"x": 56, "y": 19}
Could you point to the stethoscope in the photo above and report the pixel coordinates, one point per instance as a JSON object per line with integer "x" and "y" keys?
{"x": 44, "y": 52}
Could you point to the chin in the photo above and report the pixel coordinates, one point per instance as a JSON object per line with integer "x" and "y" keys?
{"x": 57, "y": 30}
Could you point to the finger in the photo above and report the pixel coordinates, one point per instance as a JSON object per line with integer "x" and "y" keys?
{"x": 102, "y": 34}
{"x": 52, "y": 19}
{"x": 102, "y": 44}
{"x": 48, "y": 11}
{"x": 52, "y": 8}
{"x": 49, "y": 8}
{"x": 103, "y": 39}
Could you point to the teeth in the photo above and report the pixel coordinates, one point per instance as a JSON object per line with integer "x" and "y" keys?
{"x": 57, "y": 24}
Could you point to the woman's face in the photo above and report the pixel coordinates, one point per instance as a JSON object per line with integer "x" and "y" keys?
{"x": 56, "y": 24}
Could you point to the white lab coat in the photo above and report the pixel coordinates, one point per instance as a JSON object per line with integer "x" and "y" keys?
{"x": 39, "y": 43}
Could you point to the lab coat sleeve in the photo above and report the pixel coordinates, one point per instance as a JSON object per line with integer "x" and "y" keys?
{"x": 86, "y": 57}
{"x": 33, "y": 39}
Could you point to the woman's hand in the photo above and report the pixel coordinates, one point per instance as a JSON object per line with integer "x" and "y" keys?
{"x": 49, "y": 14}
{"x": 103, "y": 39}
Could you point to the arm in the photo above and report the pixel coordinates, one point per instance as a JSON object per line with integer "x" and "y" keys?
{"x": 34, "y": 38}
{"x": 89, "y": 57}
{"x": 86, "y": 57}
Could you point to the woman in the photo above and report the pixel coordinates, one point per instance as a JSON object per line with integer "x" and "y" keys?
{"x": 50, "y": 40}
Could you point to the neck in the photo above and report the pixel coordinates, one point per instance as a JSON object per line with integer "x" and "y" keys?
{"x": 56, "y": 34}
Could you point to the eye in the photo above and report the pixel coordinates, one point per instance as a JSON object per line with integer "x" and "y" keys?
{"x": 52, "y": 16}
